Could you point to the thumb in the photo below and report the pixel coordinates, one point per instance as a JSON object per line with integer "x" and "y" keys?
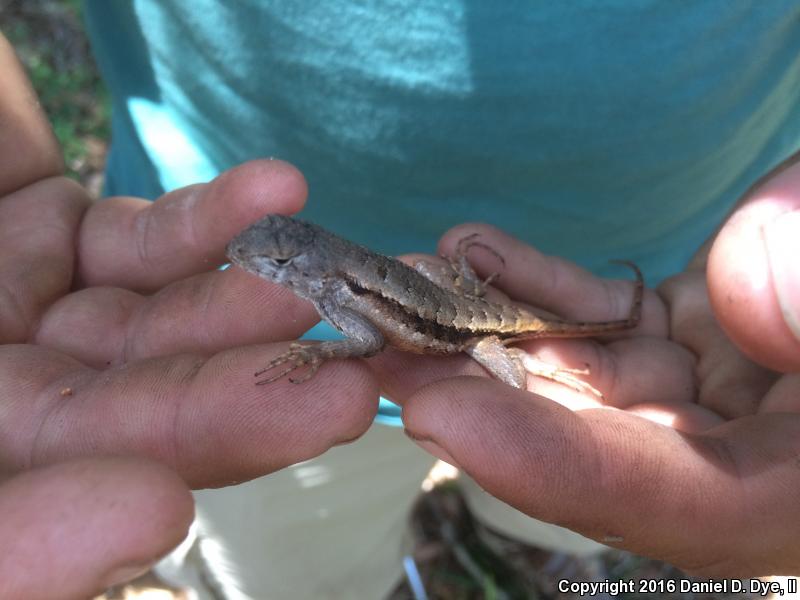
{"x": 696, "y": 501}
{"x": 754, "y": 274}
{"x": 73, "y": 529}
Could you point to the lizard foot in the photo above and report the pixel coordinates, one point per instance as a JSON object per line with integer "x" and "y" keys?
{"x": 562, "y": 375}
{"x": 298, "y": 356}
{"x": 468, "y": 241}
{"x": 458, "y": 275}
{"x": 466, "y": 280}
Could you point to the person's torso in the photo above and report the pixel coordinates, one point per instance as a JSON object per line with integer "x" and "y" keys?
{"x": 593, "y": 130}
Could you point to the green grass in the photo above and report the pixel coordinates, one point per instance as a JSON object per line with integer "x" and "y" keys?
{"x": 49, "y": 39}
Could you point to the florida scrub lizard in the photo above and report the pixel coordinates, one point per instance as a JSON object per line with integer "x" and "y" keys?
{"x": 377, "y": 301}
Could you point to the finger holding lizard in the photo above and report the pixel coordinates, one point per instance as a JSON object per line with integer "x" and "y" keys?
{"x": 378, "y": 302}
{"x": 74, "y": 278}
{"x": 93, "y": 365}
{"x": 715, "y": 502}
{"x": 149, "y": 282}
{"x": 716, "y": 498}
{"x": 554, "y": 284}
{"x": 637, "y": 367}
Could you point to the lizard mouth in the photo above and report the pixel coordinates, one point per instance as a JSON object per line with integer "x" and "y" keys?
{"x": 232, "y": 250}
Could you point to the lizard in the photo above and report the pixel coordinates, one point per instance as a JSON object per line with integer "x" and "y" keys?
{"x": 375, "y": 301}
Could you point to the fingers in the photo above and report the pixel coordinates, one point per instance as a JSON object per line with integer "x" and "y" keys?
{"x": 552, "y": 283}
{"x": 38, "y": 228}
{"x": 27, "y": 145}
{"x": 206, "y": 418}
{"x": 784, "y": 396}
{"x": 732, "y": 385}
{"x": 628, "y": 372}
{"x": 103, "y": 326}
{"x": 38, "y": 211}
{"x": 130, "y": 243}
{"x": 754, "y": 277}
{"x": 73, "y": 529}
{"x": 714, "y": 504}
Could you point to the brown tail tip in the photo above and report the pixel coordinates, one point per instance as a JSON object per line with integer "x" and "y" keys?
{"x": 636, "y": 307}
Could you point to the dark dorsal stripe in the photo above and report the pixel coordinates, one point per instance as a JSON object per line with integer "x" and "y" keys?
{"x": 428, "y": 327}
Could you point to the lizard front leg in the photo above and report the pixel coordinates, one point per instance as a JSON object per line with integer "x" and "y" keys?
{"x": 363, "y": 340}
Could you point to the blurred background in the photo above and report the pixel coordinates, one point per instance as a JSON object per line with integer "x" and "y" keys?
{"x": 49, "y": 39}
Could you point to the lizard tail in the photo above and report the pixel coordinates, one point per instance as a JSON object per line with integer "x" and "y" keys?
{"x": 565, "y": 329}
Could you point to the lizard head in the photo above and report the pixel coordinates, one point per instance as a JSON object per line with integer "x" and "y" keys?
{"x": 280, "y": 249}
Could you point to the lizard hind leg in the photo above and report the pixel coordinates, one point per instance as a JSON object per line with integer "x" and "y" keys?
{"x": 458, "y": 275}
{"x": 563, "y": 375}
{"x": 502, "y": 362}
{"x": 466, "y": 279}
{"x": 512, "y": 365}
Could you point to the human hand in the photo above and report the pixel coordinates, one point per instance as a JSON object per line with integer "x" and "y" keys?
{"x": 118, "y": 336}
{"x": 686, "y": 459}
{"x": 73, "y": 529}
{"x": 121, "y": 337}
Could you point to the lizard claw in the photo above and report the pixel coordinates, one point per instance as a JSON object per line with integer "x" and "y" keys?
{"x": 563, "y": 375}
{"x": 468, "y": 241}
{"x": 465, "y": 280}
{"x": 298, "y": 355}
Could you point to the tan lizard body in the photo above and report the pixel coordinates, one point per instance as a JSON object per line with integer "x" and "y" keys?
{"x": 375, "y": 300}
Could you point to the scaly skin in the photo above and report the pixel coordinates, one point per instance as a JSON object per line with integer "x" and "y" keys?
{"x": 375, "y": 300}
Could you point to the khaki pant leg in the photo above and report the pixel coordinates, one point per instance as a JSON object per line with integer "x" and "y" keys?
{"x": 328, "y": 528}
{"x": 510, "y": 522}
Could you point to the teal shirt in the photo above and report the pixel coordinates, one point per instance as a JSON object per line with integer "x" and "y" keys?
{"x": 591, "y": 129}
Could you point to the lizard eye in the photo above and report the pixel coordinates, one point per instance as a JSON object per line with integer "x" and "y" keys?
{"x": 281, "y": 262}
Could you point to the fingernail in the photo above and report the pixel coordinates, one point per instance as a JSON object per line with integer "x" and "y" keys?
{"x": 126, "y": 573}
{"x": 782, "y": 240}
{"x": 431, "y": 447}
